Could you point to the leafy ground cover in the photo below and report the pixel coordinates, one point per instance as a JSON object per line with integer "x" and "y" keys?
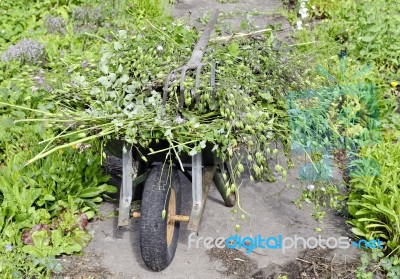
{"x": 45, "y": 206}
{"x": 363, "y": 34}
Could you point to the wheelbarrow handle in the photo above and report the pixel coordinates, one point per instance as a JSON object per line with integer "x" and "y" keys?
{"x": 202, "y": 43}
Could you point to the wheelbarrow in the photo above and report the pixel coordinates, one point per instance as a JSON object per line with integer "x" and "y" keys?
{"x": 158, "y": 186}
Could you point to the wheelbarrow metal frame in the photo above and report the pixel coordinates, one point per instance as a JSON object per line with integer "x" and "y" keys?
{"x": 201, "y": 180}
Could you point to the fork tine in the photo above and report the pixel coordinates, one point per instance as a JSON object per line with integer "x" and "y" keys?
{"x": 166, "y": 85}
{"x": 193, "y": 63}
{"x": 212, "y": 81}
{"x": 182, "y": 88}
{"x": 198, "y": 74}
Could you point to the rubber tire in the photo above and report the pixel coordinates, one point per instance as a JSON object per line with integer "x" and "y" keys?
{"x": 156, "y": 254}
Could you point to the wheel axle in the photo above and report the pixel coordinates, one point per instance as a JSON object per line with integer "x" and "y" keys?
{"x": 176, "y": 218}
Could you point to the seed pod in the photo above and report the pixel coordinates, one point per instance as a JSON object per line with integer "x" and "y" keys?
{"x": 237, "y": 227}
{"x": 228, "y": 192}
{"x": 144, "y": 158}
{"x": 233, "y": 188}
{"x": 163, "y": 214}
{"x": 278, "y": 168}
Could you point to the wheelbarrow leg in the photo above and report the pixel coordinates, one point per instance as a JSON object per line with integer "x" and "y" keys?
{"x": 126, "y": 187}
{"x": 197, "y": 166}
{"x": 201, "y": 180}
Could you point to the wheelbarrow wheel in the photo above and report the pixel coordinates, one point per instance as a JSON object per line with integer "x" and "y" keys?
{"x": 158, "y": 236}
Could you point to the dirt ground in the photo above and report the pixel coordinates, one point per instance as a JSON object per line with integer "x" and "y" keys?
{"x": 115, "y": 253}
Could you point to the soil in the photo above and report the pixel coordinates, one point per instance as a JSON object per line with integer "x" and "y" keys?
{"x": 83, "y": 267}
{"x": 236, "y": 262}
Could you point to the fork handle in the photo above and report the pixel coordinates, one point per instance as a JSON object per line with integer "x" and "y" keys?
{"x": 202, "y": 43}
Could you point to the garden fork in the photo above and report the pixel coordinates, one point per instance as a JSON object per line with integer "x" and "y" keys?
{"x": 194, "y": 63}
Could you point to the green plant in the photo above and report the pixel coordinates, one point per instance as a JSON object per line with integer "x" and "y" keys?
{"x": 363, "y": 271}
{"x": 373, "y": 201}
{"x": 391, "y": 265}
{"x": 373, "y": 264}
{"x": 322, "y": 195}
{"x": 359, "y": 28}
{"x": 45, "y": 207}
{"x": 341, "y": 116}
{"x": 365, "y": 124}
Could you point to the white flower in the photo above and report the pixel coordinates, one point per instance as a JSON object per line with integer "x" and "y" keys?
{"x": 323, "y": 189}
{"x": 179, "y": 120}
{"x": 8, "y": 247}
{"x": 302, "y": 4}
{"x": 160, "y": 48}
{"x": 303, "y": 12}
{"x": 299, "y": 25}
{"x": 313, "y": 7}
{"x": 310, "y": 187}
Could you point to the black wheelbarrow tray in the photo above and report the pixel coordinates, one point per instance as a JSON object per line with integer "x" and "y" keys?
{"x": 157, "y": 184}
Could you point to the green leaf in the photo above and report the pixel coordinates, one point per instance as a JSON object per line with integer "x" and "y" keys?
{"x": 49, "y": 197}
{"x": 90, "y": 192}
{"x": 234, "y": 49}
{"x": 124, "y": 78}
{"x": 367, "y": 39}
{"x": 358, "y": 232}
{"x": 117, "y": 46}
{"x": 63, "y": 11}
{"x": 108, "y": 188}
{"x": 72, "y": 248}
